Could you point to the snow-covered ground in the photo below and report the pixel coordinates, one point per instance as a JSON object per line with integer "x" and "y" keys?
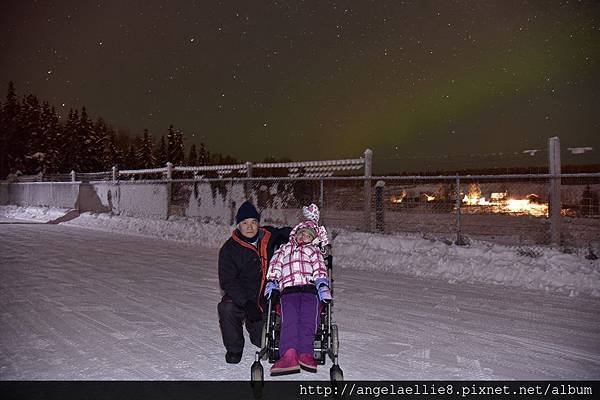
{"x": 118, "y": 301}
{"x": 545, "y": 269}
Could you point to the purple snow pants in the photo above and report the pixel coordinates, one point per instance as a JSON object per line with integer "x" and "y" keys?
{"x": 299, "y": 313}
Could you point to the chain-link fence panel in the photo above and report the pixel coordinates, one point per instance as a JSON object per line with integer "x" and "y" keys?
{"x": 94, "y": 176}
{"x": 580, "y": 214}
{"x": 343, "y": 204}
{"x": 57, "y": 177}
{"x": 411, "y": 205}
{"x": 509, "y": 210}
{"x": 209, "y": 201}
{"x": 278, "y": 200}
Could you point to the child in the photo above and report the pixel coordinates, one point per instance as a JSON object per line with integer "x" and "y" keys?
{"x": 299, "y": 271}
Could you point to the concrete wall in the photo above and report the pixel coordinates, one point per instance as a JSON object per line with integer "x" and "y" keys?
{"x": 100, "y": 197}
{"x": 4, "y": 194}
{"x": 203, "y": 200}
{"x": 142, "y": 199}
{"x": 131, "y": 199}
{"x": 218, "y": 202}
{"x": 48, "y": 194}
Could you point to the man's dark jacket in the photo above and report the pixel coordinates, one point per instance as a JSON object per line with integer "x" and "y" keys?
{"x": 243, "y": 267}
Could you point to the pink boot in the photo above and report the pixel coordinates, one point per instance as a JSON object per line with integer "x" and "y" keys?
{"x": 307, "y": 362}
{"x": 288, "y": 364}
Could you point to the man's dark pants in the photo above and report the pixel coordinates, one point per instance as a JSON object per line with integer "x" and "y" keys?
{"x": 231, "y": 319}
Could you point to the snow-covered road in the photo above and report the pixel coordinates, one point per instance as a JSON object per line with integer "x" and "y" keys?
{"x": 83, "y": 304}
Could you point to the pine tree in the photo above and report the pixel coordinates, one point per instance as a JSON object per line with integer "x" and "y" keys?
{"x": 144, "y": 156}
{"x": 51, "y": 131}
{"x": 123, "y": 141}
{"x": 179, "y": 158}
{"x": 130, "y": 157}
{"x": 203, "y": 156}
{"x": 27, "y": 152}
{"x": 192, "y": 157}
{"x": 86, "y": 136}
{"x": 33, "y": 138}
{"x": 10, "y": 127}
{"x": 162, "y": 156}
{"x": 175, "y": 148}
{"x": 229, "y": 160}
{"x": 170, "y": 143}
{"x": 113, "y": 156}
{"x": 70, "y": 145}
{"x": 99, "y": 146}
{"x": 96, "y": 146}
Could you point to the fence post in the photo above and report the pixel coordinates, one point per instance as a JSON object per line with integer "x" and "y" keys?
{"x": 169, "y": 187}
{"x": 232, "y": 208}
{"x": 322, "y": 195}
{"x": 73, "y": 176}
{"x": 52, "y": 192}
{"x": 379, "y": 207}
{"x": 460, "y": 241}
{"x": 169, "y": 171}
{"x": 554, "y": 203}
{"x": 367, "y": 188}
{"x": 247, "y": 184}
{"x": 115, "y": 181}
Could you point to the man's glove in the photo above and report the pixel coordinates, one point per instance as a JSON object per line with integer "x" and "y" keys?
{"x": 323, "y": 290}
{"x": 271, "y": 288}
{"x": 253, "y": 313}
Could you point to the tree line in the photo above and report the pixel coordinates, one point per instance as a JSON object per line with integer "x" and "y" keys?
{"x": 34, "y": 139}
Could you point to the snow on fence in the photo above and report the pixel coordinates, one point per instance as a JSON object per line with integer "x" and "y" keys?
{"x": 524, "y": 210}
{"x": 508, "y": 209}
{"x": 511, "y": 209}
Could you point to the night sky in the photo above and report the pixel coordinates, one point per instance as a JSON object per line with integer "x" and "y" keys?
{"x": 426, "y": 83}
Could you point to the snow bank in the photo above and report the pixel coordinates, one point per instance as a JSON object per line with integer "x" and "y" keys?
{"x": 175, "y": 228}
{"x": 40, "y": 214}
{"x": 479, "y": 262}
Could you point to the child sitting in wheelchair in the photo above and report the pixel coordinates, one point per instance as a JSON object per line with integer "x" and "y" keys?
{"x": 298, "y": 271}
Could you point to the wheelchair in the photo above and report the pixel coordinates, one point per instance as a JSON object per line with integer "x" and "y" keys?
{"x": 326, "y": 343}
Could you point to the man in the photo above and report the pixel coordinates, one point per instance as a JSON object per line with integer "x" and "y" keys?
{"x": 243, "y": 263}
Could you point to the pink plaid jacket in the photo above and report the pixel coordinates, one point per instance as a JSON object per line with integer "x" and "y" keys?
{"x": 294, "y": 265}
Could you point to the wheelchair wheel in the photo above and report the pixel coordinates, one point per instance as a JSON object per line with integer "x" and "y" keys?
{"x": 264, "y": 341}
{"x": 257, "y": 379}
{"x": 335, "y": 341}
{"x": 336, "y": 374}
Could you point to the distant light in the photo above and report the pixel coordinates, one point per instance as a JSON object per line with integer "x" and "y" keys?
{"x": 530, "y": 152}
{"x": 579, "y": 150}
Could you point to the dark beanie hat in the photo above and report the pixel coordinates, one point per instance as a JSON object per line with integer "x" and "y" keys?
{"x": 246, "y": 210}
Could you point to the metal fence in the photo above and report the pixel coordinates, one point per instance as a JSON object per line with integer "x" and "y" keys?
{"x": 527, "y": 210}
{"x": 508, "y": 209}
